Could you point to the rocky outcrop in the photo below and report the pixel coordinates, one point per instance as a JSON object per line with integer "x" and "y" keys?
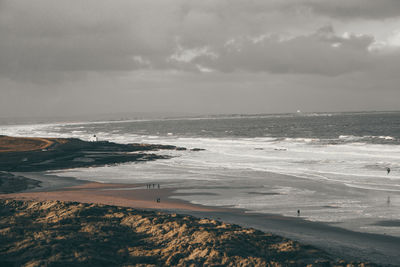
{"x": 73, "y": 234}
{"x": 40, "y": 154}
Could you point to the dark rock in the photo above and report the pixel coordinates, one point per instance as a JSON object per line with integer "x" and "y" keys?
{"x": 75, "y": 153}
{"x": 197, "y": 149}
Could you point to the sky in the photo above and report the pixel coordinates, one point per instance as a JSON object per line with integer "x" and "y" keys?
{"x": 74, "y": 57}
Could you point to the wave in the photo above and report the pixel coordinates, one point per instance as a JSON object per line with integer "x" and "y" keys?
{"x": 365, "y": 137}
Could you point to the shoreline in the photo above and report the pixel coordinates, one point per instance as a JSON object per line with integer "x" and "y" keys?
{"x": 339, "y": 242}
{"x": 125, "y": 195}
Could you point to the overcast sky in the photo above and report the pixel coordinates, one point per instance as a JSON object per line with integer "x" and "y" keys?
{"x": 70, "y": 57}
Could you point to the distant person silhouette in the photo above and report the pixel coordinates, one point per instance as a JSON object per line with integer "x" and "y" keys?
{"x": 298, "y": 212}
{"x": 388, "y": 170}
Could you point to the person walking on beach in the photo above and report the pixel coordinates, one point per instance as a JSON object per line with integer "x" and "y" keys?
{"x": 388, "y": 170}
{"x": 298, "y": 212}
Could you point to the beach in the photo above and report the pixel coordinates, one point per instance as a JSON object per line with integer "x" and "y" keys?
{"x": 331, "y": 167}
{"x": 340, "y": 246}
{"x": 339, "y": 243}
{"x": 126, "y": 195}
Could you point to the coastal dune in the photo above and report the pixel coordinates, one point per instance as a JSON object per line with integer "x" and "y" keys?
{"x": 70, "y": 233}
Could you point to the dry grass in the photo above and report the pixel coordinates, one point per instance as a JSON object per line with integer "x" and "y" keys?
{"x": 19, "y": 144}
{"x": 74, "y": 234}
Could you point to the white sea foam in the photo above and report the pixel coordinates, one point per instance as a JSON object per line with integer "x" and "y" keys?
{"x": 356, "y": 138}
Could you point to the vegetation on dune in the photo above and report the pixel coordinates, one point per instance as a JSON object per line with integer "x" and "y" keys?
{"x": 19, "y": 144}
{"x": 74, "y": 234}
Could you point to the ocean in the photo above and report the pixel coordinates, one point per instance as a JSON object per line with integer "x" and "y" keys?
{"x": 331, "y": 167}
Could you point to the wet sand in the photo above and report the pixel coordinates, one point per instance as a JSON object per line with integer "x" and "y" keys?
{"x": 346, "y": 244}
{"x": 125, "y": 195}
{"x": 341, "y": 243}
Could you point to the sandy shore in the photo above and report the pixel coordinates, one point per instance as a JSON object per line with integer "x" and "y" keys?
{"x": 340, "y": 243}
{"x": 125, "y": 195}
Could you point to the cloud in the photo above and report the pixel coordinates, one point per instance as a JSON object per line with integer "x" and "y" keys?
{"x": 321, "y": 53}
{"x": 73, "y": 36}
{"x": 47, "y": 41}
{"x": 189, "y": 55}
{"x": 349, "y": 9}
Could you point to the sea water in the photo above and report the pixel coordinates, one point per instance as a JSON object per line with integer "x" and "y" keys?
{"x": 331, "y": 167}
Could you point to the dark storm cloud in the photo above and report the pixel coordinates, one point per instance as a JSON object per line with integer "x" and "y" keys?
{"x": 39, "y": 37}
{"x": 46, "y": 41}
